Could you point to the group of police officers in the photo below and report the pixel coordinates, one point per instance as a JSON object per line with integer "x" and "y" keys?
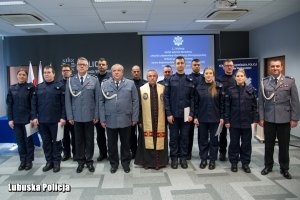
{"x": 51, "y": 103}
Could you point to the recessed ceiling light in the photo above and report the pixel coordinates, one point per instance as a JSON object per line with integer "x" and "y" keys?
{"x": 11, "y": 3}
{"x": 124, "y": 22}
{"x": 37, "y": 24}
{"x": 215, "y": 20}
{"x": 113, "y": 1}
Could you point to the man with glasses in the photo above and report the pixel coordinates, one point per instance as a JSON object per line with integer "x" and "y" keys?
{"x": 167, "y": 71}
{"x": 101, "y": 138}
{"x": 227, "y": 80}
{"x": 66, "y": 72}
{"x": 82, "y": 103}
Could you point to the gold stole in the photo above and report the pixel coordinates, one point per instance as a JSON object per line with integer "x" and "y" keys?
{"x": 147, "y": 118}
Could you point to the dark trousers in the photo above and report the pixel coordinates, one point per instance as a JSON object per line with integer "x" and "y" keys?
{"x": 112, "y": 143}
{"x": 133, "y": 138}
{"x": 101, "y": 139}
{"x": 51, "y": 147}
{"x": 282, "y": 131}
{"x": 240, "y": 145}
{"x": 208, "y": 148}
{"x": 191, "y": 138}
{"x": 84, "y": 141}
{"x": 223, "y": 141}
{"x": 25, "y": 144}
{"x": 69, "y": 138}
{"x": 179, "y": 139}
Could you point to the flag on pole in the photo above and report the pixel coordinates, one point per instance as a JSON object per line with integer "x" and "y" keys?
{"x": 31, "y": 75}
{"x": 40, "y": 75}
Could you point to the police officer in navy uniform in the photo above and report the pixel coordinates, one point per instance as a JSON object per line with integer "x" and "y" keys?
{"x": 18, "y": 110}
{"x": 197, "y": 77}
{"x": 209, "y": 115}
{"x": 240, "y": 113}
{"x": 227, "y": 81}
{"x": 138, "y": 81}
{"x": 179, "y": 95}
{"x": 168, "y": 72}
{"x": 48, "y": 108}
{"x": 68, "y": 128}
{"x": 278, "y": 113}
{"x": 101, "y": 138}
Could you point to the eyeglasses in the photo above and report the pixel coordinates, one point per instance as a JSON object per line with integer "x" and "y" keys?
{"x": 81, "y": 64}
{"x": 152, "y": 76}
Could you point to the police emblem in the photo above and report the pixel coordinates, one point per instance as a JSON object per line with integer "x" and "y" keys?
{"x": 145, "y": 96}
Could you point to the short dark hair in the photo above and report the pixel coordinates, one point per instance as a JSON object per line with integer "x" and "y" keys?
{"x": 66, "y": 65}
{"x": 103, "y": 59}
{"x": 196, "y": 60}
{"x": 179, "y": 58}
{"x": 227, "y": 60}
{"x": 50, "y": 67}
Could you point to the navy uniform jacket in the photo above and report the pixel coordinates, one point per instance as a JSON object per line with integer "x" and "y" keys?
{"x": 83, "y": 107}
{"x": 103, "y": 77}
{"x": 227, "y": 81}
{"x": 139, "y": 83}
{"x": 208, "y": 108}
{"x": 162, "y": 82}
{"x": 18, "y": 102}
{"x": 241, "y": 106}
{"x": 122, "y": 109}
{"x": 197, "y": 78}
{"x": 48, "y": 102}
{"x": 179, "y": 94}
{"x": 284, "y": 105}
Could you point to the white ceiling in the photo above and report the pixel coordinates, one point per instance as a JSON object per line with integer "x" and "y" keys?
{"x": 162, "y": 16}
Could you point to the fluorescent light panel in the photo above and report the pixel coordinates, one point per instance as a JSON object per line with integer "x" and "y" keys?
{"x": 38, "y": 24}
{"x": 124, "y": 22}
{"x": 120, "y": 1}
{"x": 11, "y": 3}
{"x": 215, "y": 20}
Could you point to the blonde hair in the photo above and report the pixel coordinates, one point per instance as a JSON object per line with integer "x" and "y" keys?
{"x": 242, "y": 70}
{"x": 214, "y": 85}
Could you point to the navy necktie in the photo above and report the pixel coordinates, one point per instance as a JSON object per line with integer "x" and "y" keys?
{"x": 276, "y": 81}
{"x": 81, "y": 80}
{"x": 117, "y": 84}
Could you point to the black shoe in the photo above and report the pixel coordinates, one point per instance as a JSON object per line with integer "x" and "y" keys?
{"x": 80, "y": 168}
{"x": 101, "y": 157}
{"x": 203, "y": 164}
{"x": 113, "y": 170}
{"x": 91, "y": 167}
{"x": 28, "y": 166}
{"x": 246, "y": 168}
{"x": 22, "y": 166}
{"x": 212, "y": 165}
{"x": 65, "y": 157}
{"x": 174, "y": 164}
{"x": 48, "y": 166}
{"x": 189, "y": 157}
{"x": 183, "y": 164}
{"x": 222, "y": 157}
{"x": 286, "y": 174}
{"x": 56, "y": 167}
{"x": 126, "y": 169}
{"x": 234, "y": 167}
{"x": 266, "y": 170}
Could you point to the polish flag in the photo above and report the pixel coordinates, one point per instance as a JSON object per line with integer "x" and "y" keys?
{"x": 40, "y": 75}
{"x": 31, "y": 75}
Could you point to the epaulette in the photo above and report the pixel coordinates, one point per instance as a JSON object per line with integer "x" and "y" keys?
{"x": 265, "y": 78}
{"x": 93, "y": 75}
{"x": 218, "y": 84}
{"x": 290, "y": 77}
{"x": 189, "y": 77}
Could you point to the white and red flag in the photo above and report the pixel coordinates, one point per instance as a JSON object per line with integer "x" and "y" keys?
{"x": 31, "y": 75}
